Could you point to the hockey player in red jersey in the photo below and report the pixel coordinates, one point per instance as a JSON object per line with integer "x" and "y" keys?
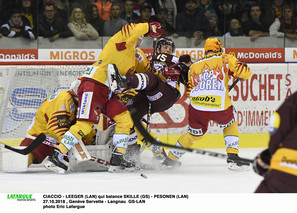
{"x": 278, "y": 163}
{"x": 209, "y": 100}
{"x": 159, "y": 87}
{"x": 95, "y": 97}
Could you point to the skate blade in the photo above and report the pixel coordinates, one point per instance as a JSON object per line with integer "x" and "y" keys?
{"x": 119, "y": 169}
{"x": 235, "y": 167}
{"x": 50, "y": 166}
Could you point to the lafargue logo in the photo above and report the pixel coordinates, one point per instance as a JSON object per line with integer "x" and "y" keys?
{"x": 21, "y": 197}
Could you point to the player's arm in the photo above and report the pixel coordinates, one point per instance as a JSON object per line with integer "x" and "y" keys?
{"x": 184, "y": 65}
{"x": 130, "y": 32}
{"x": 238, "y": 69}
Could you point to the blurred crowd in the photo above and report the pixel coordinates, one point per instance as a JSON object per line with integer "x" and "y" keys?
{"x": 198, "y": 19}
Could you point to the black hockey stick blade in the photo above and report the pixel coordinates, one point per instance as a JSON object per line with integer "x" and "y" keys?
{"x": 38, "y": 140}
{"x": 149, "y": 138}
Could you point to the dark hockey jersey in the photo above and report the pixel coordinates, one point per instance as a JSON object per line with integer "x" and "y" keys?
{"x": 283, "y": 142}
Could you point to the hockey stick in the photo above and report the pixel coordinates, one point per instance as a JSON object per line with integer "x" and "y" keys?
{"x": 234, "y": 83}
{"x": 148, "y": 137}
{"x": 39, "y": 139}
{"x": 149, "y": 106}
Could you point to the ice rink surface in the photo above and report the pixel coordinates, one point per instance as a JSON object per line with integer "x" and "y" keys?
{"x": 198, "y": 174}
{"x": 206, "y": 179}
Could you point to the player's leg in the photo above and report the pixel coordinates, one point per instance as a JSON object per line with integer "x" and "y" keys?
{"x": 197, "y": 127}
{"x": 116, "y": 110}
{"x": 227, "y": 120}
{"x": 138, "y": 81}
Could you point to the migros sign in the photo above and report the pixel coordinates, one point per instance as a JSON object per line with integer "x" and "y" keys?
{"x": 69, "y": 54}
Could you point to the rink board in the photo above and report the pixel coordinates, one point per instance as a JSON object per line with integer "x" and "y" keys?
{"x": 255, "y": 100}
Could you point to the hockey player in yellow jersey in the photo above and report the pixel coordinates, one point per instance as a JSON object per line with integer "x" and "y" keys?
{"x": 95, "y": 97}
{"x": 209, "y": 100}
{"x": 54, "y": 117}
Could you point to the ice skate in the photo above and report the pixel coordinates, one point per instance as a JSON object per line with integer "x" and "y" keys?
{"x": 235, "y": 162}
{"x": 168, "y": 163}
{"x": 55, "y": 162}
{"x": 160, "y": 156}
{"x": 118, "y": 163}
{"x": 115, "y": 79}
{"x": 133, "y": 154}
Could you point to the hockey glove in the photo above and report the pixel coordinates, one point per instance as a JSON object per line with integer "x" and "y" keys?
{"x": 261, "y": 162}
{"x": 185, "y": 58}
{"x": 155, "y": 30}
{"x": 171, "y": 73}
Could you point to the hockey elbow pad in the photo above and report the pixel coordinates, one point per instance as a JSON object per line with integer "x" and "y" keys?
{"x": 261, "y": 162}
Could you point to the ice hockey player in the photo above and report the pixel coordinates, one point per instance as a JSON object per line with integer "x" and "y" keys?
{"x": 278, "y": 163}
{"x": 209, "y": 100}
{"x": 54, "y": 117}
{"x": 159, "y": 88}
{"x": 95, "y": 97}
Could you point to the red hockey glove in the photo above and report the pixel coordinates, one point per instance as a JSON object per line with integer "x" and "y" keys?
{"x": 171, "y": 73}
{"x": 155, "y": 30}
{"x": 261, "y": 162}
{"x": 150, "y": 58}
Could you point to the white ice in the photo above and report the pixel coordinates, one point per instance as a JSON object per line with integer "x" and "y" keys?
{"x": 211, "y": 186}
{"x": 198, "y": 174}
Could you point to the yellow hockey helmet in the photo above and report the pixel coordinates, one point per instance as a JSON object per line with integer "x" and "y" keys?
{"x": 213, "y": 45}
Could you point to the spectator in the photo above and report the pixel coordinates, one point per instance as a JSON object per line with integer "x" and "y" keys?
{"x": 17, "y": 26}
{"x": 162, "y": 17}
{"x": 206, "y": 7}
{"x": 255, "y": 27}
{"x": 213, "y": 26}
{"x": 128, "y": 14}
{"x": 274, "y": 10}
{"x": 226, "y": 10}
{"x": 145, "y": 14}
{"x": 29, "y": 10}
{"x": 104, "y": 7}
{"x": 235, "y": 28}
{"x": 286, "y": 26}
{"x": 172, "y": 10}
{"x": 59, "y": 12}
{"x": 79, "y": 26}
{"x": 138, "y": 4}
{"x": 52, "y": 26}
{"x": 191, "y": 22}
{"x": 115, "y": 23}
{"x": 92, "y": 17}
